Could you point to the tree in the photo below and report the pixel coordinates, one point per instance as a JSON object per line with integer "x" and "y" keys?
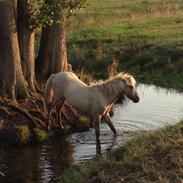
{"x": 52, "y": 56}
{"x": 18, "y": 21}
{"x": 12, "y": 82}
{"x": 26, "y": 37}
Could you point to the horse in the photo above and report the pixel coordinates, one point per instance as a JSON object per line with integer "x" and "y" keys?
{"x": 95, "y": 100}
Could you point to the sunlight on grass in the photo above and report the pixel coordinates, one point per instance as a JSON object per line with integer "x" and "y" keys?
{"x": 109, "y": 20}
{"x": 146, "y": 37}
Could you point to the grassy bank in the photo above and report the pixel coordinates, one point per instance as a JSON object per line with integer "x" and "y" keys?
{"x": 21, "y": 134}
{"x": 150, "y": 157}
{"x": 145, "y": 36}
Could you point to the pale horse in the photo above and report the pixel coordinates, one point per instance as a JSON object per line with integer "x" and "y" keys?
{"x": 94, "y": 100}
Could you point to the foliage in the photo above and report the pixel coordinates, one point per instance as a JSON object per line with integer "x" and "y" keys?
{"x": 24, "y": 134}
{"x": 43, "y": 12}
{"x": 40, "y": 135}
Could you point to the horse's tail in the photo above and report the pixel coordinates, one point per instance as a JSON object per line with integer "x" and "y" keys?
{"x": 48, "y": 94}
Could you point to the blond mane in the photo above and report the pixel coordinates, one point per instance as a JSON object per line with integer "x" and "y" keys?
{"x": 113, "y": 84}
{"x": 129, "y": 79}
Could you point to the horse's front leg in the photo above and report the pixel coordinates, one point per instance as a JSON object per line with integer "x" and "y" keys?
{"x": 96, "y": 120}
{"x": 109, "y": 122}
{"x": 60, "y": 113}
{"x": 49, "y": 111}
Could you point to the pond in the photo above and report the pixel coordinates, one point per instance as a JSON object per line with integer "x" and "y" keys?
{"x": 158, "y": 107}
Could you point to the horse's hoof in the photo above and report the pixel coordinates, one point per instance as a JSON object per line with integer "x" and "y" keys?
{"x": 115, "y": 134}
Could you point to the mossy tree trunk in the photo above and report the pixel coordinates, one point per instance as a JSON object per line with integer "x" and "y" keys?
{"x": 12, "y": 82}
{"x": 26, "y": 37}
{"x": 52, "y": 56}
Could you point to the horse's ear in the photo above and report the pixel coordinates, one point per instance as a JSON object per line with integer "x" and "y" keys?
{"x": 125, "y": 81}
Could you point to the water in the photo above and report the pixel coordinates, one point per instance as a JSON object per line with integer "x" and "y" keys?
{"x": 157, "y": 108}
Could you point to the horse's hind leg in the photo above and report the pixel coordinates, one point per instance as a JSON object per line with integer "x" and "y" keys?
{"x": 109, "y": 122}
{"x": 60, "y": 113}
{"x": 50, "y": 111}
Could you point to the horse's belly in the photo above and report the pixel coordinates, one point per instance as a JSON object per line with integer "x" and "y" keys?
{"x": 79, "y": 103}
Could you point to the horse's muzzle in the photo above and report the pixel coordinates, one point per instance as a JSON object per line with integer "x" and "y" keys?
{"x": 136, "y": 99}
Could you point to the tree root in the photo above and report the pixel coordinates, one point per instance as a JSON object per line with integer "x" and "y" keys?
{"x": 32, "y": 111}
{"x": 11, "y": 106}
{"x": 4, "y": 110}
{"x": 27, "y": 114}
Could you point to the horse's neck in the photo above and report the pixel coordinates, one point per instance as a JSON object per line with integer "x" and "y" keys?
{"x": 112, "y": 91}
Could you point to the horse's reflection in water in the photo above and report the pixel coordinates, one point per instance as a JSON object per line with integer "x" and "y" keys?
{"x": 95, "y": 100}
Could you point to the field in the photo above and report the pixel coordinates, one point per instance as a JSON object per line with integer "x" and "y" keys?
{"x": 146, "y": 36}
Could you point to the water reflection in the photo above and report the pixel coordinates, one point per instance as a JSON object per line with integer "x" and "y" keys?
{"x": 157, "y": 108}
{"x": 35, "y": 164}
{"x": 85, "y": 147}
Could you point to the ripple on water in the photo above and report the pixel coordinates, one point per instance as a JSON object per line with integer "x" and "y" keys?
{"x": 157, "y": 107}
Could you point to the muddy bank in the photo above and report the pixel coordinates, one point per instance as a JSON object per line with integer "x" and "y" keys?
{"x": 25, "y": 122}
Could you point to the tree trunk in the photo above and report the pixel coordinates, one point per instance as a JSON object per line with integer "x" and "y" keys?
{"x": 26, "y": 38}
{"x": 12, "y": 82}
{"x": 52, "y": 56}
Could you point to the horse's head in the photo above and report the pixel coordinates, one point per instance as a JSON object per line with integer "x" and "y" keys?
{"x": 130, "y": 87}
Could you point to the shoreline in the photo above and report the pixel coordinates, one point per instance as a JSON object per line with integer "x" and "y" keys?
{"x": 150, "y": 156}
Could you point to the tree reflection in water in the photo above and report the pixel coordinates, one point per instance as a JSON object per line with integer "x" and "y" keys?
{"x": 35, "y": 164}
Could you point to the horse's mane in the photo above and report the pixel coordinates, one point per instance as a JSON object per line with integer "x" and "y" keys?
{"x": 113, "y": 83}
{"x": 120, "y": 76}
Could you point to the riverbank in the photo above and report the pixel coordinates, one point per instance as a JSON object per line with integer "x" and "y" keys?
{"x": 144, "y": 36}
{"x": 149, "y": 157}
{"x": 24, "y": 122}
{"x": 21, "y": 135}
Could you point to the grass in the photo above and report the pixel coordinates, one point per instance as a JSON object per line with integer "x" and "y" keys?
{"x": 150, "y": 157}
{"x": 15, "y": 135}
{"x": 144, "y": 35}
{"x": 40, "y": 135}
{"x": 124, "y": 18}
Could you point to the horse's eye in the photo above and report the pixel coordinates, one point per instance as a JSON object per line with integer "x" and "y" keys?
{"x": 131, "y": 87}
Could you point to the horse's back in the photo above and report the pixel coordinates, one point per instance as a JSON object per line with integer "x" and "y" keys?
{"x": 65, "y": 75}
{"x": 67, "y": 81}
{"x": 69, "y": 86}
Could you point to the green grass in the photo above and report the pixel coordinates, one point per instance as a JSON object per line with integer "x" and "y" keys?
{"x": 149, "y": 157}
{"x": 15, "y": 135}
{"x": 112, "y": 19}
{"x": 40, "y": 135}
{"x": 146, "y": 36}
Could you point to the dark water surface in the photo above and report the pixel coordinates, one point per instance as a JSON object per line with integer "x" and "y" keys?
{"x": 40, "y": 164}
